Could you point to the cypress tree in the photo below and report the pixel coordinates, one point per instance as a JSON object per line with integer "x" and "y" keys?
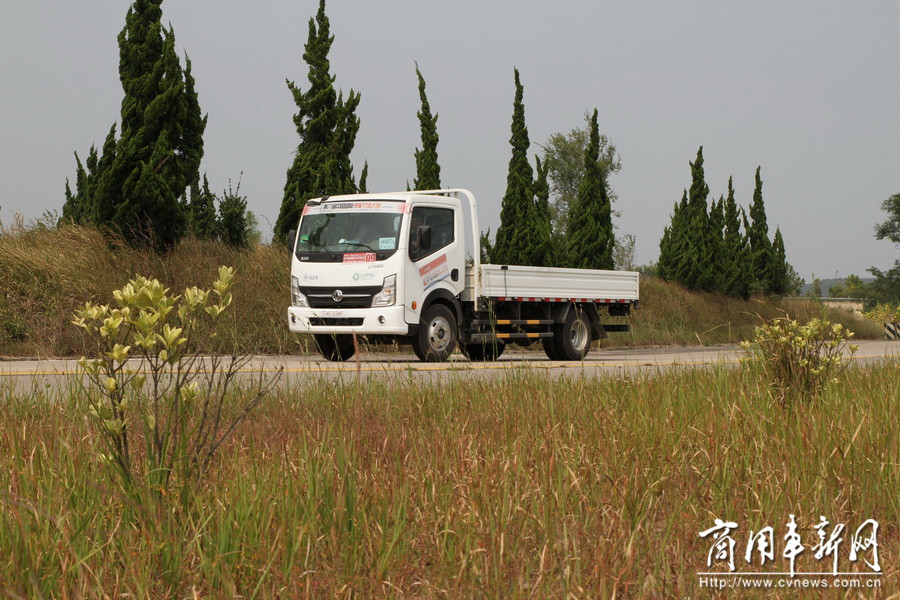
{"x": 761, "y": 255}
{"x": 76, "y": 207}
{"x": 428, "y": 171}
{"x": 544, "y": 242}
{"x": 327, "y": 125}
{"x": 79, "y": 207}
{"x": 363, "y": 179}
{"x": 671, "y": 244}
{"x": 161, "y": 145}
{"x": 716, "y": 243}
{"x": 590, "y": 238}
{"x": 779, "y": 271}
{"x": 692, "y": 267}
{"x": 201, "y": 211}
{"x": 735, "y": 258}
{"x": 514, "y": 240}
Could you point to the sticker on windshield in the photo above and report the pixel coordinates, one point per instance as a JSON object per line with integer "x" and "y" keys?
{"x": 387, "y": 243}
{"x": 359, "y": 257}
{"x": 339, "y": 207}
{"x": 434, "y": 271}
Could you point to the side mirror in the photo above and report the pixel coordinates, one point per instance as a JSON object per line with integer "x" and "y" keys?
{"x": 291, "y": 238}
{"x": 424, "y": 237}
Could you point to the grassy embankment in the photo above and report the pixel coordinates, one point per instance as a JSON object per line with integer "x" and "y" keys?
{"x": 512, "y": 488}
{"x": 45, "y": 275}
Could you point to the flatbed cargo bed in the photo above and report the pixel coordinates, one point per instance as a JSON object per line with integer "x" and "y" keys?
{"x": 549, "y": 284}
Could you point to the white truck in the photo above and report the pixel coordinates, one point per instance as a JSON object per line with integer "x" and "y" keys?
{"x": 406, "y": 266}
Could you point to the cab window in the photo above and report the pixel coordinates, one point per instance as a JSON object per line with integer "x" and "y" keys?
{"x": 440, "y": 223}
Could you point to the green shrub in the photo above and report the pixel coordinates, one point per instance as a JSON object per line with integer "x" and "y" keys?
{"x": 150, "y": 382}
{"x": 885, "y": 313}
{"x": 798, "y": 360}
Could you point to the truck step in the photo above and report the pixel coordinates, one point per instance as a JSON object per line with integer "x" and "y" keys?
{"x": 513, "y": 322}
{"x": 509, "y": 336}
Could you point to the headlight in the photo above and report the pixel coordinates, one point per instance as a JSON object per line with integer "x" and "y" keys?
{"x": 297, "y": 298}
{"x": 388, "y": 294}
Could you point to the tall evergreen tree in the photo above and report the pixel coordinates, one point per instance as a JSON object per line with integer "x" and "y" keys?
{"x": 779, "y": 271}
{"x": 689, "y": 244}
{"x": 716, "y": 242}
{"x": 363, "y": 179}
{"x": 564, "y": 156}
{"x": 201, "y": 211}
{"x": 761, "y": 255}
{"x": 428, "y": 171}
{"x": 79, "y": 207}
{"x": 161, "y": 145}
{"x": 544, "y": 246}
{"x": 515, "y": 236}
{"x": 327, "y": 125}
{"x": 735, "y": 256}
{"x": 590, "y": 239}
{"x": 693, "y": 267}
{"x": 76, "y": 208}
{"x": 672, "y": 243}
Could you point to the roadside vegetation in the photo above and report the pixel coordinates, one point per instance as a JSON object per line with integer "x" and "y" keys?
{"x": 46, "y": 274}
{"x": 512, "y": 488}
{"x": 173, "y": 478}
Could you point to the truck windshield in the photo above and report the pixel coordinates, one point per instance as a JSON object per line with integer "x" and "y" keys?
{"x": 328, "y": 233}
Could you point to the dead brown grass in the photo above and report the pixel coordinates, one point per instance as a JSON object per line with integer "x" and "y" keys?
{"x": 46, "y": 274}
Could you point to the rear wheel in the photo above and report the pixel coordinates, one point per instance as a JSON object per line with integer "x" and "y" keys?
{"x": 487, "y": 350}
{"x": 573, "y": 337}
{"x": 436, "y": 338}
{"x": 550, "y": 348}
{"x": 336, "y": 348}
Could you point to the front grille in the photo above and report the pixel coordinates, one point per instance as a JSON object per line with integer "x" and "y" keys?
{"x": 354, "y": 296}
{"x": 335, "y": 322}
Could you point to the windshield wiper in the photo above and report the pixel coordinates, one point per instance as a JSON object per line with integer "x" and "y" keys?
{"x": 324, "y": 247}
{"x": 359, "y": 244}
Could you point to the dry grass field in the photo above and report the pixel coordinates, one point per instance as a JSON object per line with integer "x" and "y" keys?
{"x": 513, "y": 488}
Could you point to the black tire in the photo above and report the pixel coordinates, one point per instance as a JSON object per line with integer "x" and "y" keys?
{"x": 335, "y": 347}
{"x": 482, "y": 351}
{"x": 551, "y": 348}
{"x": 436, "y": 338}
{"x": 573, "y": 337}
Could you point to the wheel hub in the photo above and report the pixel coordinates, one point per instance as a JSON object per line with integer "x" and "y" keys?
{"x": 439, "y": 334}
{"x": 579, "y": 335}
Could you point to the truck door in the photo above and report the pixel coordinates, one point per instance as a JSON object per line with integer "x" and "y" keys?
{"x": 440, "y": 264}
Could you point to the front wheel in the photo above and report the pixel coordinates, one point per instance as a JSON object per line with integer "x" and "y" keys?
{"x": 336, "y": 348}
{"x": 436, "y": 338}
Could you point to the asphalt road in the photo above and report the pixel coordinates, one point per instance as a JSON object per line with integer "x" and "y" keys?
{"x": 600, "y": 362}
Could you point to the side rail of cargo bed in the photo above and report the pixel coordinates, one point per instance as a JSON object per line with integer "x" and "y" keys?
{"x": 514, "y": 281}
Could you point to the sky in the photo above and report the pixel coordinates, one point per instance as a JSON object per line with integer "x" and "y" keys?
{"x": 808, "y": 91}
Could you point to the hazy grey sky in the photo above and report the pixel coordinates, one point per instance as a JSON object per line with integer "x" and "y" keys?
{"x": 808, "y": 90}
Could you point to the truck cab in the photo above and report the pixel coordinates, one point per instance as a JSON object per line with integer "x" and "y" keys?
{"x": 369, "y": 264}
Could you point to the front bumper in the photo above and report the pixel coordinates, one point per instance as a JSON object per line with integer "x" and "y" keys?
{"x": 348, "y": 320}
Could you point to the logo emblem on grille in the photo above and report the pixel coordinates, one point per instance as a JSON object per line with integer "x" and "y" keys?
{"x": 337, "y": 295}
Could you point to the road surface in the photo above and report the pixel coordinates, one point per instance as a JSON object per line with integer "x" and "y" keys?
{"x": 601, "y": 362}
